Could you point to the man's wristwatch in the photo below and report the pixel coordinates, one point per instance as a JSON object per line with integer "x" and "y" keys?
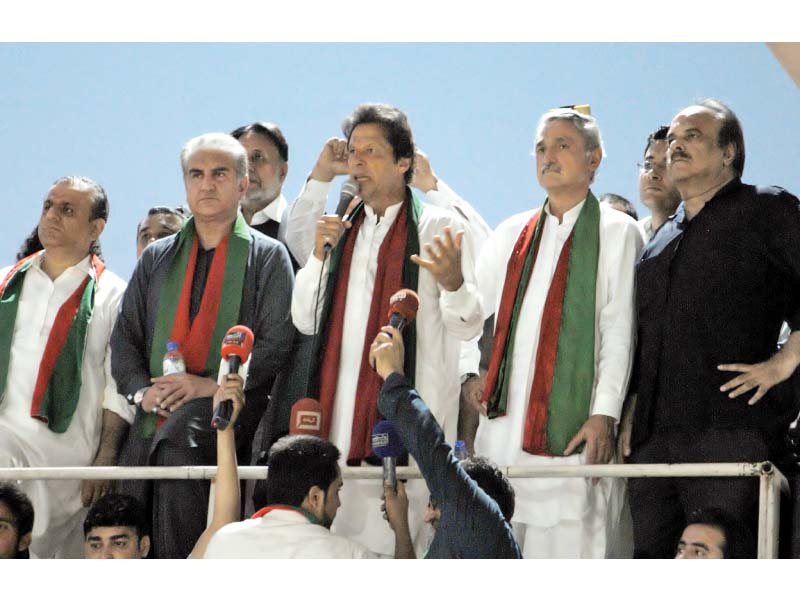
{"x": 136, "y": 399}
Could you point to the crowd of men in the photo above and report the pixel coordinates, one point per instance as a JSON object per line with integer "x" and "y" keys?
{"x": 572, "y": 334}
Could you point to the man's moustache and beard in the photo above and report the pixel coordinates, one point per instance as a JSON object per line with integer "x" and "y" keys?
{"x": 551, "y": 167}
{"x": 256, "y": 197}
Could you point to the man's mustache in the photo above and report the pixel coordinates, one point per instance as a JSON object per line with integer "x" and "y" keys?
{"x": 680, "y": 154}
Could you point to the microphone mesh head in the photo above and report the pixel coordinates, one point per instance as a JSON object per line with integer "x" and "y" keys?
{"x": 349, "y": 188}
{"x": 306, "y": 417}
{"x": 238, "y": 341}
{"x": 404, "y": 302}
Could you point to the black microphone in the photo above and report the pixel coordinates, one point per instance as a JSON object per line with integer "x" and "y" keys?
{"x": 236, "y": 347}
{"x": 348, "y": 192}
{"x": 387, "y": 445}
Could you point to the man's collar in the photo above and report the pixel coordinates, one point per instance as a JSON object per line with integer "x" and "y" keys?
{"x": 389, "y": 214}
{"x": 680, "y": 213}
{"x": 571, "y": 216}
{"x": 286, "y": 509}
{"x": 85, "y": 264}
{"x": 271, "y": 212}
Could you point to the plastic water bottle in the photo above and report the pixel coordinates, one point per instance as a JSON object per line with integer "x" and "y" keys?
{"x": 460, "y": 450}
{"x": 173, "y": 360}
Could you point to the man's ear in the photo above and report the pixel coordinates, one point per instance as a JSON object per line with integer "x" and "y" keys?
{"x": 24, "y": 542}
{"x": 314, "y": 502}
{"x": 403, "y": 165}
{"x": 284, "y": 169}
{"x": 595, "y": 158}
{"x": 728, "y": 154}
{"x": 144, "y": 546}
{"x": 98, "y": 225}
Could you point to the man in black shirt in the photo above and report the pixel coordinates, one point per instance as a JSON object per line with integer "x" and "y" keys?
{"x": 714, "y": 285}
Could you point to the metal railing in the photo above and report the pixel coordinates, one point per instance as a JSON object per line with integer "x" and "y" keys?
{"x": 772, "y": 481}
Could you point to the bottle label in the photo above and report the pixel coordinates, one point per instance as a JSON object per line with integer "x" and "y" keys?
{"x": 173, "y": 366}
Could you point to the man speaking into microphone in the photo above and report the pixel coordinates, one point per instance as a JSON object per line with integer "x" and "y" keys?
{"x": 192, "y": 287}
{"x": 391, "y": 241}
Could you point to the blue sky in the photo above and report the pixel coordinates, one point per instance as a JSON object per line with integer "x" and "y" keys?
{"x": 120, "y": 113}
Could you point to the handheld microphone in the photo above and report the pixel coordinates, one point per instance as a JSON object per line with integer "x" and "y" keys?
{"x": 348, "y": 192}
{"x": 306, "y": 417}
{"x": 236, "y": 347}
{"x": 403, "y": 307}
{"x": 387, "y": 445}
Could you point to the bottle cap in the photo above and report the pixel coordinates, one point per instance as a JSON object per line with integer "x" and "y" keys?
{"x": 172, "y": 346}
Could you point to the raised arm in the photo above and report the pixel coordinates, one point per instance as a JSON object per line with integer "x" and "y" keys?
{"x": 472, "y": 509}
{"x": 302, "y": 214}
{"x": 226, "y": 489}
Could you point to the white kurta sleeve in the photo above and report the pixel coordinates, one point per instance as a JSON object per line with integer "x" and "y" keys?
{"x": 112, "y": 399}
{"x": 308, "y": 294}
{"x": 617, "y": 324}
{"x": 470, "y": 359}
{"x": 301, "y": 218}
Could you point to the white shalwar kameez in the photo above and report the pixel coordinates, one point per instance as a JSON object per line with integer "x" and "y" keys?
{"x": 444, "y": 319}
{"x": 27, "y": 442}
{"x": 563, "y": 518}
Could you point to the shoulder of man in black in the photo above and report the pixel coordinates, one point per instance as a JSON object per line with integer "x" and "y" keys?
{"x": 662, "y": 238}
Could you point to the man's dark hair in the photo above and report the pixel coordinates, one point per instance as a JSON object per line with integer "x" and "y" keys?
{"x": 492, "y": 481}
{"x": 98, "y": 197}
{"x": 627, "y": 207}
{"x": 658, "y": 135}
{"x": 270, "y": 131}
{"x": 117, "y": 510}
{"x": 394, "y": 124}
{"x": 739, "y": 541}
{"x": 178, "y": 211}
{"x": 31, "y": 244}
{"x": 296, "y": 463}
{"x": 21, "y": 509}
{"x": 730, "y": 132}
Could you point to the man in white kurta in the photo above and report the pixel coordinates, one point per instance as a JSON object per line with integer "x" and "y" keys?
{"x": 443, "y": 320}
{"x": 27, "y": 442}
{"x": 563, "y": 518}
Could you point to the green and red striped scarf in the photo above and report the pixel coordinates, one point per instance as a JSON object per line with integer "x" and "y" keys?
{"x": 395, "y": 271}
{"x": 563, "y": 379}
{"x": 58, "y": 383}
{"x": 198, "y": 340}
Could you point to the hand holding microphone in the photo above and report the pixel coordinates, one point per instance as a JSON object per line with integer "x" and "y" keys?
{"x": 331, "y": 227}
{"x": 231, "y": 391}
{"x": 236, "y": 347}
{"x": 387, "y": 445}
{"x": 386, "y": 354}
